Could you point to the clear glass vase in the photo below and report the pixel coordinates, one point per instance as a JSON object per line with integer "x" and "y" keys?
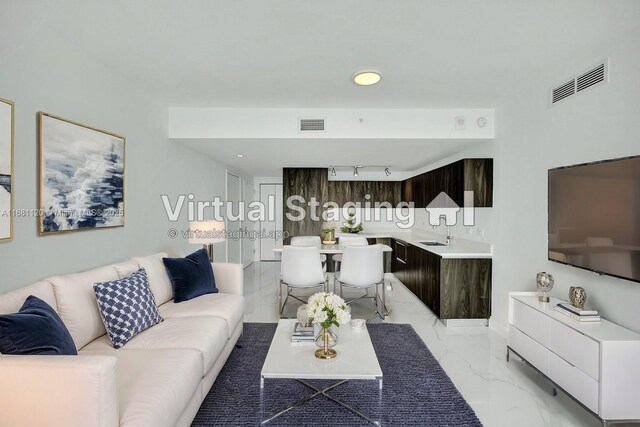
{"x": 326, "y": 340}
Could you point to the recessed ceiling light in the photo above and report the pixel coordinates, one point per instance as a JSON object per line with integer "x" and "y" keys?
{"x": 366, "y": 77}
{"x": 240, "y": 155}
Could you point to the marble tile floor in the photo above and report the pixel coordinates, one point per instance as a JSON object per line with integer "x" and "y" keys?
{"x": 501, "y": 393}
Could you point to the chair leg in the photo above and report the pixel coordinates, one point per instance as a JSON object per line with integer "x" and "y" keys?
{"x": 285, "y": 301}
{"x": 384, "y": 303}
{"x": 381, "y": 309}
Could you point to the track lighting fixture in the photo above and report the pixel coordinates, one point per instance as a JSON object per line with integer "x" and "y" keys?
{"x": 356, "y": 169}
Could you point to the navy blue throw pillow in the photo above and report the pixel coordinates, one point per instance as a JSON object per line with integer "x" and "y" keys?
{"x": 191, "y": 276}
{"x": 35, "y": 329}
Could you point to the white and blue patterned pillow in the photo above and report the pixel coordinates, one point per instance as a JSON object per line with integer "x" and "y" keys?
{"x": 127, "y": 307}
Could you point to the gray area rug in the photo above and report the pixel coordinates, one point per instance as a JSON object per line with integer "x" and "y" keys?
{"x": 417, "y": 391}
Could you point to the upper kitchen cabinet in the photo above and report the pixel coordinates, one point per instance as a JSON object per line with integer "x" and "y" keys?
{"x": 454, "y": 179}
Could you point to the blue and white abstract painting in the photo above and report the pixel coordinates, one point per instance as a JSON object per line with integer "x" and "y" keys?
{"x": 6, "y": 158}
{"x": 82, "y": 173}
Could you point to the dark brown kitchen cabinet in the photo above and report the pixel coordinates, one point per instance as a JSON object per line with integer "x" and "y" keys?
{"x": 452, "y": 288}
{"x": 454, "y": 179}
{"x": 399, "y": 259}
{"x": 465, "y": 288}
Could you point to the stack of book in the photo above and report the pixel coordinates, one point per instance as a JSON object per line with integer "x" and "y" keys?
{"x": 303, "y": 332}
{"x": 581, "y": 315}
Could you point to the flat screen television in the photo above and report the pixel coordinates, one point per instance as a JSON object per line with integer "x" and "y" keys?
{"x": 594, "y": 217}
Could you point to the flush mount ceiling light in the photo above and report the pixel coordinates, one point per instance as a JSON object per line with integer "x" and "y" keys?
{"x": 239, "y": 156}
{"x": 366, "y": 77}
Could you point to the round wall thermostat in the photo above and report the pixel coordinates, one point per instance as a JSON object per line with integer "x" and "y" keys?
{"x": 482, "y": 122}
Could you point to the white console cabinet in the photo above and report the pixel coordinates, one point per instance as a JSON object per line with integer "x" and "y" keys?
{"x": 597, "y": 363}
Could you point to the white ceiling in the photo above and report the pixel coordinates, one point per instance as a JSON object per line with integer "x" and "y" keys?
{"x": 302, "y": 53}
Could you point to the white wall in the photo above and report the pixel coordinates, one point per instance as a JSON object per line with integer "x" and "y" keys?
{"x": 531, "y": 138}
{"x": 42, "y": 72}
{"x": 256, "y": 184}
{"x": 281, "y": 123}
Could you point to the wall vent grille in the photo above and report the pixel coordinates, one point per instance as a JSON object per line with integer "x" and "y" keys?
{"x": 590, "y": 78}
{"x": 311, "y": 125}
{"x": 562, "y": 91}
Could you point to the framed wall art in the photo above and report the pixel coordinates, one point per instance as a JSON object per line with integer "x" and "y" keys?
{"x": 6, "y": 170}
{"x": 81, "y": 176}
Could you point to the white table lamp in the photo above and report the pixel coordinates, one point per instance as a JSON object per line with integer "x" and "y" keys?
{"x": 206, "y": 233}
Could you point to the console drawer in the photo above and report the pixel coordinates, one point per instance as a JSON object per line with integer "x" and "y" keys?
{"x": 532, "y": 351}
{"x": 531, "y": 322}
{"x": 576, "y": 348}
{"x": 574, "y": 381}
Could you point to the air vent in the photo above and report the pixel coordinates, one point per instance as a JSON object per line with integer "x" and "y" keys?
{"x": 311, "y": 125}
{"x": 563, "y": 91}
{"x": 590, "y": 78}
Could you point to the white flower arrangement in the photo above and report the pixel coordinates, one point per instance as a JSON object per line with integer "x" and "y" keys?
{"x": 327, "y": 308}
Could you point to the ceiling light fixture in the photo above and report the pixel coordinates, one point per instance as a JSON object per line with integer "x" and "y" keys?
{"x": 366, "y": 77}
{"x": 356, "y": 169}
{"x": 239, "y": 156}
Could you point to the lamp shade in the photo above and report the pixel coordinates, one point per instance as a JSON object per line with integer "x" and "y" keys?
{"x": 205, "y": 232}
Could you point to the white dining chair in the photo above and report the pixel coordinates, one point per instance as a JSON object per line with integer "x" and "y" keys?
{"x": 348, "y": 241}
{"x": 363, "y": 268}
{"x": 301, "y": 269}
{"x": 310, "y": 241}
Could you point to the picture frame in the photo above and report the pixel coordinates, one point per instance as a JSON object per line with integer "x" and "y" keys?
{"x": 81, "y": 176}
{"x": 7, "y": 188}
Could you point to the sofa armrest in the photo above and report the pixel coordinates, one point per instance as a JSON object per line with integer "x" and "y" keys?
{"x": 59, "y": 391}
{"x": 229, "y": 277}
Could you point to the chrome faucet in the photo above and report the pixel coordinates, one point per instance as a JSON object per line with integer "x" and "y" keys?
{"x": 449, "y": 235}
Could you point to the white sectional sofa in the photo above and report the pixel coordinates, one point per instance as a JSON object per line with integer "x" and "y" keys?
{"x": 159, "y": 378}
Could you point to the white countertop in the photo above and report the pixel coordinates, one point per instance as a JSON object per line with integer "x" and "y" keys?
{"x": 459, "y": 248}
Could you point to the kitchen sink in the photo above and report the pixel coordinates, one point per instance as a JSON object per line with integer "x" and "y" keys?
{"x": 432, "y": 243}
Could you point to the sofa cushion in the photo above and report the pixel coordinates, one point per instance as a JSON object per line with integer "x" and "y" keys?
{"x": 35, "y": 329}
{"x": 127, "y": 307}
{"x": 159, "y": 281}
{"x": 191, "y": 276}
{"x": 77, "y": 303}
{"x": 208, "y": 335}
{"x": 225, "y": 306}
{"x": 12, "y": 301}
{"x": 125, "y": 268}
{"x": 154, "y": 386}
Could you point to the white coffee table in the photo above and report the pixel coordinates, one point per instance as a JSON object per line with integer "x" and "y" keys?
{"x": 356, "y": 360}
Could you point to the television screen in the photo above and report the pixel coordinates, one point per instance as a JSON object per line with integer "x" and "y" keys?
{"x": 594, "y": 217}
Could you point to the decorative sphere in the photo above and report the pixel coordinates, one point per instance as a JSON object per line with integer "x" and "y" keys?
{"x": 544, "y": 281}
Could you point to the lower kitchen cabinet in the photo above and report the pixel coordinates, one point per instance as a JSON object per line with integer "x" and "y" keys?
{"x": 452, "y": 288}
